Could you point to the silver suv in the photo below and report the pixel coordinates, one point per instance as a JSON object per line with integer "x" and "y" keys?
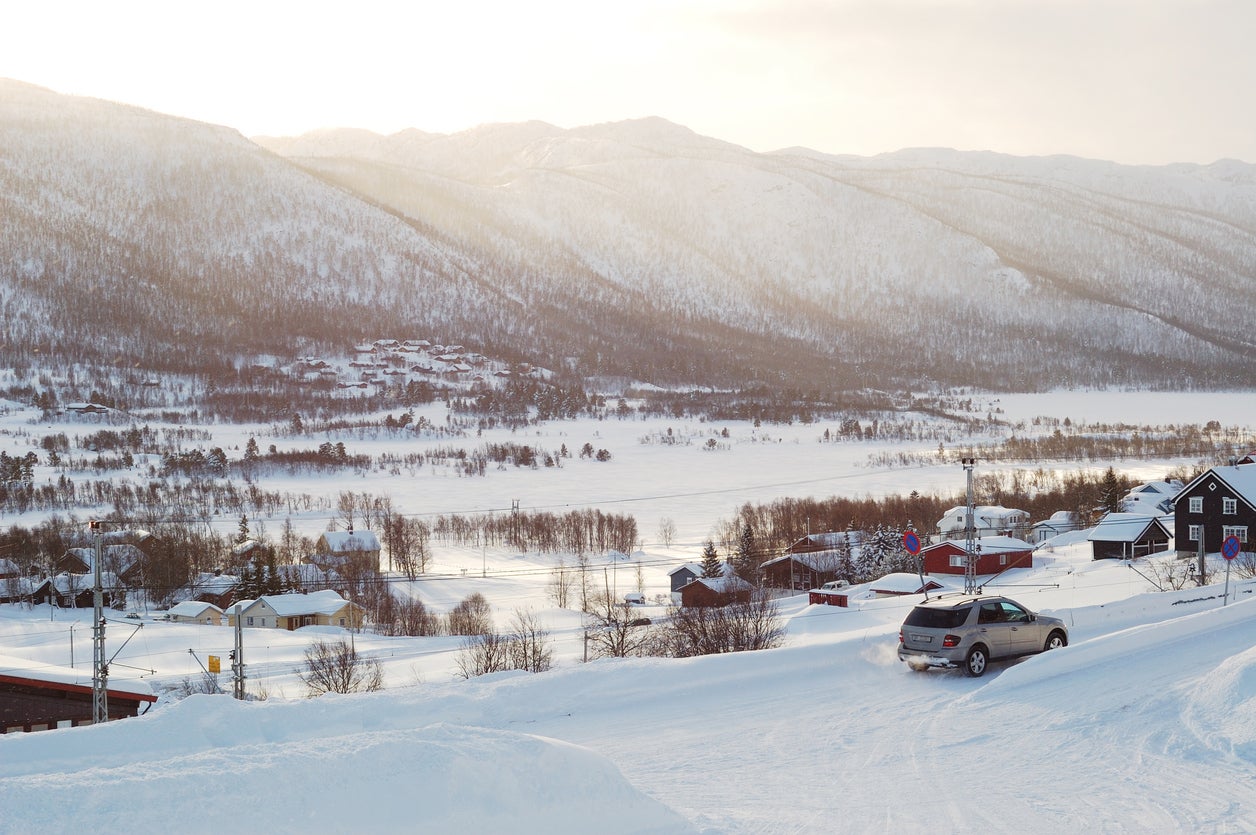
{"x": 970, "y": 631}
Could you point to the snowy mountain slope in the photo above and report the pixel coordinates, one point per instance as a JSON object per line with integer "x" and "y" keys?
{"x": 131, "y": 236}
{"x": 638, "y": 249}
{"x": 1001, "y": 266}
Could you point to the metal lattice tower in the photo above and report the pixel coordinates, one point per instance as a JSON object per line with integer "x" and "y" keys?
{"x": 970, "y": 534}
{"x": 100, "y": 666}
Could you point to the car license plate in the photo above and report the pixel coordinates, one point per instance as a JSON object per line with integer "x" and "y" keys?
{"x": 922, "y": 639}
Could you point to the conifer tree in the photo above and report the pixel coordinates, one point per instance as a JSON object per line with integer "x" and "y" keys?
{"x": 271, "y": 581}
{"x": 249, "y": 589}
{"x": 712, "y": 565}
{"x": 1111, "y": 491}
{"x": 745, "y": 561}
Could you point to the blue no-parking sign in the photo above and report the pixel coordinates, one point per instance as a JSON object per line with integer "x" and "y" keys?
{"x": 1230, "y": 547}
{"x": 911, "y": 542}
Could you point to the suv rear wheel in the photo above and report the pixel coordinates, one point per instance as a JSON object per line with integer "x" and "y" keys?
{"x": 975, "y": 663}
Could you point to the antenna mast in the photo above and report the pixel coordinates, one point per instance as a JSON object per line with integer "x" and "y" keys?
{"x": 100, "y": 666}
{"x": 970, "y": 534}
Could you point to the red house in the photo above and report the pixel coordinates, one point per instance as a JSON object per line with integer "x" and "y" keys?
{"x": 994, "y": 554}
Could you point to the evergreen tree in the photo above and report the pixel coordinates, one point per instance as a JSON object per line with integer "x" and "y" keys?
{"x": 271, "y": 581}
{"x": 249, "y": 586}
{"x": 1111, "y": 491}
{"x": 250, "y": 449}
{"x": 845, "y": 564}
{"x": 745, "y": 560}
{"x": 242, "y": 534}
{"x": 712, "y": 565}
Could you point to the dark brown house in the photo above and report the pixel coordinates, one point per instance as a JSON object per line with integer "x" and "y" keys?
{"x": 799, "y": 572}
{"x": 74, "y": 591}
{"x": 38, "y": 698}
{"x": 1217, "y": 504}
{"x": 715, "y": 591}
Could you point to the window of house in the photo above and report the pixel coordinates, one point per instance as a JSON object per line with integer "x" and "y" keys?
{"x": 1193, "y": 533}
{"x": 1235, "y": 530}
{"x": 1002, "y": 559}
{"x": 1229, "y": 506}
{"x": 249, "y": 621}
{"x": 342, "y": 621}
{"x": 957, "y": 561}
{"x": 1196, "y": 504}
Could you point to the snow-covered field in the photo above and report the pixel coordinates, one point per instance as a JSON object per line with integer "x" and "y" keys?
{"x": 1145, "y": 723}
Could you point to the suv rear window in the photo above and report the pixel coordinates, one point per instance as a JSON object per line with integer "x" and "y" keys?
{"x": 930, "y": 618}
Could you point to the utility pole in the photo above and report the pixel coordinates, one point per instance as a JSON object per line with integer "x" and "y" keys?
{"x": 970, "y": 534}
{"x": 1201, "y": 578}
{"x": 100, "y": 667}
{"x": 237, "y": 657}
{"x": 514, "y": 522}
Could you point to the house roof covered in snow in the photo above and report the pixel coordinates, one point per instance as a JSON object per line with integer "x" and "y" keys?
{"x": 326, "y": 602}
{"x": 1125, "y": 527}
{"x": 191, "y": 609}
{"x": 21, "y": 669}
{"x": 693, "y": 567}
{"x": 341, "y": 541}
{"x": 904, "y": 583}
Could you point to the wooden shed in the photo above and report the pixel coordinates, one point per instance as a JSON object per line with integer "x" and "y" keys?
{"x": 899, "y": 584}
{"x": 1125, "y": 536}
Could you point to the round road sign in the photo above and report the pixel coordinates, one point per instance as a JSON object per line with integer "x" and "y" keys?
{"x": 1230, "y": 547}
{"x": 911, "y": 542}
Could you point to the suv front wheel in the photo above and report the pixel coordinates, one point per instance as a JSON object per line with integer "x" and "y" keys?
{"x": 975, "y": 663}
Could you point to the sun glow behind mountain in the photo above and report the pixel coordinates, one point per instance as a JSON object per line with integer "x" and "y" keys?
{"x": 1101, "y": 80}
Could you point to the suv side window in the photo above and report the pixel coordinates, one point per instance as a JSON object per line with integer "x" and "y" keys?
{"x": 990, "y": 613}
{"x": 1013, "y": 613}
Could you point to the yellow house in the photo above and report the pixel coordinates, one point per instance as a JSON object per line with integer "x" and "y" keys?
{"x": 293, "y": 611}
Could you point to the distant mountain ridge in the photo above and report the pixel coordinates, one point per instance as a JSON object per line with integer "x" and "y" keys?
{"x": 638, "y": 249}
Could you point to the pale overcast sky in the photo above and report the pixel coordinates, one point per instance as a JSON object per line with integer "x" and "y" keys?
{"x": 1136, "y": 81}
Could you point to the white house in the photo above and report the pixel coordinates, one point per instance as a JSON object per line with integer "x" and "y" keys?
{"x": 1062, "y": 521}
{"x": 988, "y": 520}
{"x": 1155, "y": 498}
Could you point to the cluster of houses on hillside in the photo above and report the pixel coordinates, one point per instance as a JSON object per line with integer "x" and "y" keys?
{"x": 389, "y": 361}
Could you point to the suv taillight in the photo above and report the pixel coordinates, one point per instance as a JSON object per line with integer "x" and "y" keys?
{"x": 900, "y": 636}
{"x": 950, "y": 641}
